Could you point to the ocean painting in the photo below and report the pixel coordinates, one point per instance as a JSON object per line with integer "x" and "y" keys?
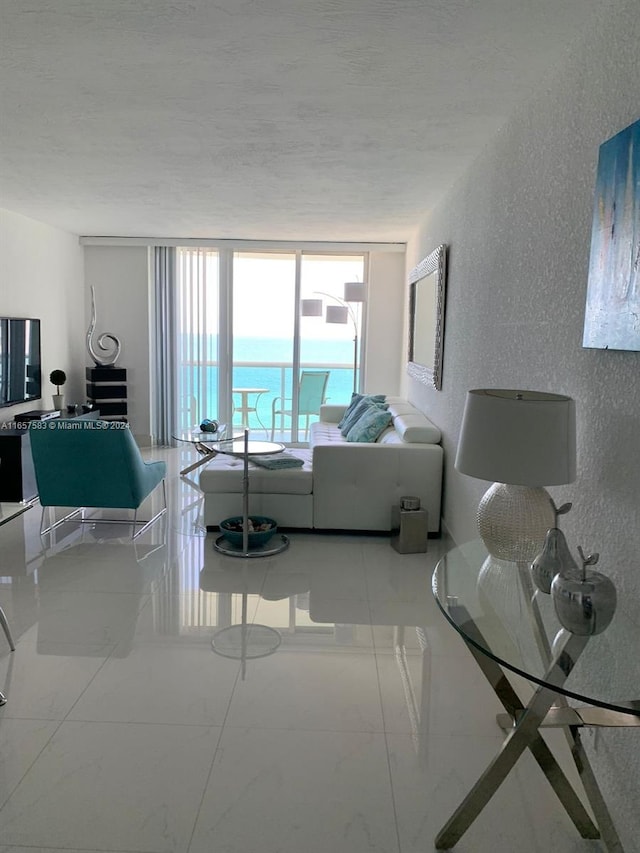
{"x": 612, "y": 317}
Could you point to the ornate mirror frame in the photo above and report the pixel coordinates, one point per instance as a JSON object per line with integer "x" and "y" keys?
{"x": 427, "y": 284}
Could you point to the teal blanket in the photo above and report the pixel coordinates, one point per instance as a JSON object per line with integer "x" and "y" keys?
{"x": 275, "y": 461}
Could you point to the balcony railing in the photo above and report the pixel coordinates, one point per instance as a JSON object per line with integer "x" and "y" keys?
{"x": 200, "y": 398}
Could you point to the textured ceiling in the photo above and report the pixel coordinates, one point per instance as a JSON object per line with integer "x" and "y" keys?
{"x": 272, "y": 119}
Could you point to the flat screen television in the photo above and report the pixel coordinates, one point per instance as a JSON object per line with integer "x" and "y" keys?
{"x": 20, "y": 366}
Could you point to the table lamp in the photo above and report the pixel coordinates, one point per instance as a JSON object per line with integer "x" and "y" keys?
{"x": 524, "y": 440}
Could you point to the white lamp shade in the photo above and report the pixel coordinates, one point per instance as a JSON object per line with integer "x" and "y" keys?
{"x": 354, "y": 291}
{"x": 525, "y": 438}
{"x": 337, "y": 314}
{"x": 311, "y": 307}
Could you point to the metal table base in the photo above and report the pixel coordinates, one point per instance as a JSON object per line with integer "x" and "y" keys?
{"x": 223, "y": 545}
{"x": 526, "y": 722}
{"x": 267, "y": 550}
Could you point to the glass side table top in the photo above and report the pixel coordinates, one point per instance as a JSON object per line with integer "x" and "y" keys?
{"x": 495, "y": 606}
{"x": 235, "y": 446}
{"x": 194, "y": 435}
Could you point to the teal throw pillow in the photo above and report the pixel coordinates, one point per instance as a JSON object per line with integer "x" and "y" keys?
{"x": 370, "y": 425}
{"x": 361, "y": 407}
{"x": 355, "y": 399}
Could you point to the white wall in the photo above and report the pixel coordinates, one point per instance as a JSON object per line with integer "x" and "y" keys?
{"x": 120, "y": 277}
{"x": 519, "y": 226}
{"x": 42, "y": 276}
{"x": 385, "y": 311}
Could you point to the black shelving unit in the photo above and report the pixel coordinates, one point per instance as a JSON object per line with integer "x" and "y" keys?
{"x": 107, "y": 390}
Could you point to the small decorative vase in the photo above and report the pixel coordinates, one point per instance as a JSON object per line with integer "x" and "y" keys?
{"x": 555, "y": 555}
{"x": 584, "y": 603}
{"x": 58, "y": 401}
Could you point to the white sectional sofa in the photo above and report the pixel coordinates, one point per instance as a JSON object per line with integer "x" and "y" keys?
{"x": 342, "y": 485}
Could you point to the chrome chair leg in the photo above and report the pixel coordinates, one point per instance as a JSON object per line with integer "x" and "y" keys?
{"x": 12, "y": 646}
{"x": 7, "y": 630}
{"x": 147, "y": 524}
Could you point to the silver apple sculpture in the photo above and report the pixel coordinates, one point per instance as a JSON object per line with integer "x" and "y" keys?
{"x": 584, "y": 602}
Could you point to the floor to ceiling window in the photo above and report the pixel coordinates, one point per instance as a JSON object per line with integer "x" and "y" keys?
{"x": 331, "y": 344}
{"x": 241, "y": 339}
{"x": 264, "y": 300}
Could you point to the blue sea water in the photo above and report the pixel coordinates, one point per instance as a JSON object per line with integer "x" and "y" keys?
{"x": 271, "y": 369}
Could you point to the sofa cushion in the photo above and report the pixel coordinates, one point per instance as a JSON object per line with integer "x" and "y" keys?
{"x": 355, "y": 399}
{"x": 363, "y": 406}
{"x": 412, "y": 426}
{"x": 369, "y": 426}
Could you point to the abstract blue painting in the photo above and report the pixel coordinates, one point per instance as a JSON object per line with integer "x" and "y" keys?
{"x": 612, "y": 317}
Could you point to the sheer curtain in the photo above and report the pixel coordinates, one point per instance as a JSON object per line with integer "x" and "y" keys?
{"x": 197, "y": 324}
{"x": 163, "y": 390}
{"x": 186, "y": 297}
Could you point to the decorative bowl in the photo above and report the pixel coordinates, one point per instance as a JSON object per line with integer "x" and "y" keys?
{"x": 263, "y": 529}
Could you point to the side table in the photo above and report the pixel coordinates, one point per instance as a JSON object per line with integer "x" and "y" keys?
{"x": 245, "y": 409}
{"x": 507, "y": 624}
{"x": 203, "y": 441}
{"x": 243, "y": 448}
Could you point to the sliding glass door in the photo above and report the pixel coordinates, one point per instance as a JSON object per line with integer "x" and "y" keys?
{"x": 332, "y": 341}
{"x": 245, "y": 356}
{"x": 264, "y": 300}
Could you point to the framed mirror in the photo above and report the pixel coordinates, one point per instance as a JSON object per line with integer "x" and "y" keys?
{"x": 427, "y": 282}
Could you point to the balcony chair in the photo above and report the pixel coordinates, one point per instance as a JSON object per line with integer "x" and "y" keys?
{"x": 93, "y": 464}
{"x": 311, "y": 395}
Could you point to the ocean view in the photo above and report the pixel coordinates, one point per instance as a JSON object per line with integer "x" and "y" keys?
{"x": 265, "y": 363}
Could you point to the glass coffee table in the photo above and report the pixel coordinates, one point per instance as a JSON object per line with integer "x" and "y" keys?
{"x": 509, "y": 626}
{"x": 206, "y": 443}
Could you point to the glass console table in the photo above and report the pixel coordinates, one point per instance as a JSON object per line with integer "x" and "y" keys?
{"x": 507, "y": 624}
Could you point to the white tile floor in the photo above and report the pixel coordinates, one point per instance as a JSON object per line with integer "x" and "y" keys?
{"x": 124, "y": 730}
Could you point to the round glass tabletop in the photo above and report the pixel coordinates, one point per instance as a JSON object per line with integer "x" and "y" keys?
{"x": 194, "y": 435}
{"x": 495, "y": 606}
{"x": 236, "y": 446}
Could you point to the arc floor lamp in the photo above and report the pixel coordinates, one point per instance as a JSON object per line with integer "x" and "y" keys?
{"x": 354, "y": 291}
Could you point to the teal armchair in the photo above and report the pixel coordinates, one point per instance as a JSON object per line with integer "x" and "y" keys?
{"x": 88, "y": 463}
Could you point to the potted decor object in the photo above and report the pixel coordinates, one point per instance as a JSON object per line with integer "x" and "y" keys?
{"x": 58, "y": 378}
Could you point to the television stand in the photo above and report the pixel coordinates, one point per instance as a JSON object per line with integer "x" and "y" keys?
{"x": 36, "y": 415}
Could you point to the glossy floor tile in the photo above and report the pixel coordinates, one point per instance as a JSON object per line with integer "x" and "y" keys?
{"x": 165, "y": 698}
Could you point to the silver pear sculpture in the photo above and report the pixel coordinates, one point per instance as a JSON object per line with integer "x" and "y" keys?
{"x": 555, "y": 555}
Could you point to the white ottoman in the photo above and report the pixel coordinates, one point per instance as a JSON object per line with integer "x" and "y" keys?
{"x": 285, "y": 495}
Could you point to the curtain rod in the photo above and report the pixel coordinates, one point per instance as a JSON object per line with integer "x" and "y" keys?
{"x": 292, "y": 245}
